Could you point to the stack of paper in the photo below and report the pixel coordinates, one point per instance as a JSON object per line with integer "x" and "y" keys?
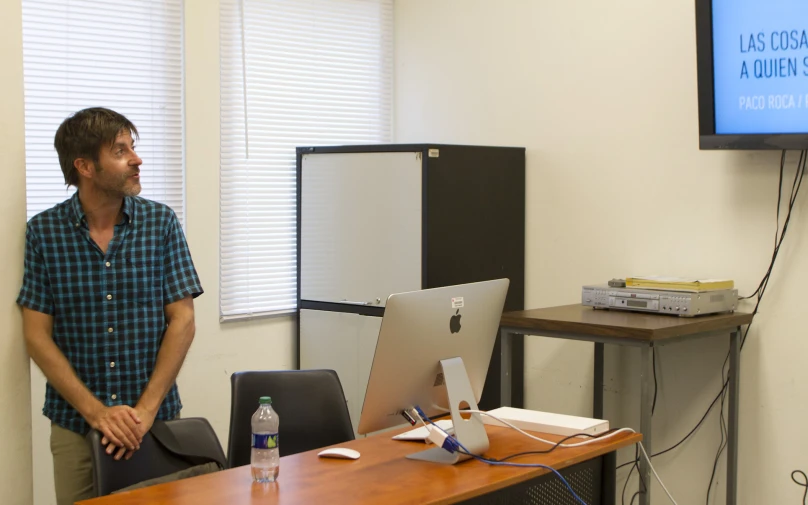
{"x": 679, "y": 283}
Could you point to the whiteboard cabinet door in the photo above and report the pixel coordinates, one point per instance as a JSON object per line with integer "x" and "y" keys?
{"x": 360, "y": 226}
{"x": 342, "y": 342}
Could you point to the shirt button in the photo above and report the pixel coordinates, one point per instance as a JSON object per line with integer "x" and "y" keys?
{"x": 112, "y": 364}
{"x": 108, "y": 264}
{"x": 114, "y": 397}
{"x": 109, "y": 297}
{"x": 109, "y": 330}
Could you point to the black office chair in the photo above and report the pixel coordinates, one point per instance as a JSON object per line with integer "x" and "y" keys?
{"x": 170, "y": 447}
{"x": 310, "y": 403}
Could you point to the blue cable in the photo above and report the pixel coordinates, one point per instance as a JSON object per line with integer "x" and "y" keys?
{"x": 530, "y": 465}
{"x": 501, "y": 463}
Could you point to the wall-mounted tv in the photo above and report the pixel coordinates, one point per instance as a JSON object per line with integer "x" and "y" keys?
{"x": 752, "y": 74}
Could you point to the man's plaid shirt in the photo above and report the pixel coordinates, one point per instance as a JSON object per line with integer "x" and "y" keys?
{"x": 107, "y": 309}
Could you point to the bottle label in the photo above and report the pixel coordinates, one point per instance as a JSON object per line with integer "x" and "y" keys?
{"x": 265, "y": 441}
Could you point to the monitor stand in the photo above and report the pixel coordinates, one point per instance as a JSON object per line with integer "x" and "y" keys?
{"x": 469, "y": 432}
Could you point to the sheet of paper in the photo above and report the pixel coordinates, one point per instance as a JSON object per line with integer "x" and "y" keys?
{"x": 421, "y": 432}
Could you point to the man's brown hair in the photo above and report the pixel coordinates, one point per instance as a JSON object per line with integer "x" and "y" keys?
{"x": 83, "y": 134}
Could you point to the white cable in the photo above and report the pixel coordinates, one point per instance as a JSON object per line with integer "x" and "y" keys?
{"x": 577, "y": 444}
{"x": 428, "y": 428}
{"x": 642, "y": 449}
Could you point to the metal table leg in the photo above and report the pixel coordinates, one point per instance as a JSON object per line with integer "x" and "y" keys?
{"x": 597, "y": 396}
{"x": 506, "y": 375}
{"x": 646, "y": 402}
{"x": 732, "y": 435}
{"x": 608, "y": 495}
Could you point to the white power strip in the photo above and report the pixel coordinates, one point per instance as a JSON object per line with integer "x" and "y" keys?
{"x": 546, "y": 422}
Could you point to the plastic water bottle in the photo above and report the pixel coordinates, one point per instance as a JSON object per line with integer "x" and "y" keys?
{"x": 265, "y": 460}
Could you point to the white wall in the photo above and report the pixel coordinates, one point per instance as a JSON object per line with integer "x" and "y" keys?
{"x": 603, "y": 96}
{"x": 15, "y": 401}
{"x": 610, "y": 127}
{"x": 218, "y": 349}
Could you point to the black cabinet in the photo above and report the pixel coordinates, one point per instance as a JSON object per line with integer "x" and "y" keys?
{"x": 381, "y": 219}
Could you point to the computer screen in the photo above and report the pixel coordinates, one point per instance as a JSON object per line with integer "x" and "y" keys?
{"x": 418, "y": 330}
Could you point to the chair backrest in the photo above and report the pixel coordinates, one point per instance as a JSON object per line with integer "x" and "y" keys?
{"x": 310, "y": 403}
{"x": 193, "y": 437}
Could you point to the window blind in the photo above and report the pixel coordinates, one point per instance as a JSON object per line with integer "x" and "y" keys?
{"x": 76, "y": 54}
{"x": 293, "y": 73}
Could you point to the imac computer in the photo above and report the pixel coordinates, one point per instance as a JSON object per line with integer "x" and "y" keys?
{"x": 433, "y": 352}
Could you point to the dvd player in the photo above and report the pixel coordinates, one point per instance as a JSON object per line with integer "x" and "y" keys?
{"x": 658, "y": 301}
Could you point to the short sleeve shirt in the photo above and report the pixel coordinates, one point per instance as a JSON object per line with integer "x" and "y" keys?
{"x": 107, "y": 308}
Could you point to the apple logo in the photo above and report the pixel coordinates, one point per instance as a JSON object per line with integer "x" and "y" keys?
{"x": 454, "y": 322}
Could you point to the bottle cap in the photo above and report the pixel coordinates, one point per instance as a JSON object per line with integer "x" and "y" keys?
{"x": 264, "y": 400}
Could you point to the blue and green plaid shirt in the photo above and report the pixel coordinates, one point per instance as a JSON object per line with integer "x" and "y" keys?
{"x": 107, "y": 309}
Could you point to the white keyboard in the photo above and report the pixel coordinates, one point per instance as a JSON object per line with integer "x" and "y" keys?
{"x": 421, "y": 432}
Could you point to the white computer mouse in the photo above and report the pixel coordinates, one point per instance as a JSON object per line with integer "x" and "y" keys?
{"x": 339, "y": 452}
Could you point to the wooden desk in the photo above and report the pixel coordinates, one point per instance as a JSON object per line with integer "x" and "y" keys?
{"x": 577, "y": 322}
{"x": 383, "y": 475}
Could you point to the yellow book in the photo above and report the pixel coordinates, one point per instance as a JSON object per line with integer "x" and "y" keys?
{"x": 679, "y": 283}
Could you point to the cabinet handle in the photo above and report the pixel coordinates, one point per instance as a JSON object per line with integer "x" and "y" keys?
{"x": 375, "y": 302}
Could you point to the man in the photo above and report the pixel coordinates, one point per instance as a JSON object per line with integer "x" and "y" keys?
{"x": 107, "y": 300}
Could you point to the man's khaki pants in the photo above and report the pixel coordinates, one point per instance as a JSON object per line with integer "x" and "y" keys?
{"x": 72, "y": 466}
